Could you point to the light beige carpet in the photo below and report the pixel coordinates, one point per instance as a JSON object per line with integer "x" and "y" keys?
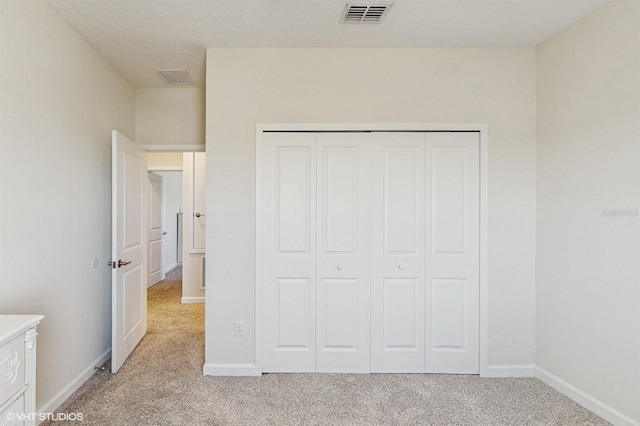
{"x": 162, "y": 384}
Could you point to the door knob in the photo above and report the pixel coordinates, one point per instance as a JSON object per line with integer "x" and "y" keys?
{"x": 401, "y": 266}
{"x": 164, "y": 233}
{"x": 118, "y": 264}
{"x": 198, "y": 214}
{"x": 339, "y": 266}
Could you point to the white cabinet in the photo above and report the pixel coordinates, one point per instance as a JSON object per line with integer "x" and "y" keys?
{"x": 370, "y": 252}
{"x": 18, "y": 369}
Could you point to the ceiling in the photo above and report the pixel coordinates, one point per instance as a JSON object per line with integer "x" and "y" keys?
{"x": 141, "y": 36}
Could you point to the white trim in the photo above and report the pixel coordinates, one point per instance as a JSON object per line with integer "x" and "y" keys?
{"x": 257, "y": 301}
{"x": 423, "y": 127}
{"x": 191, "y": 300}
{"x": 164, "y": 169}
{"x": 64, "y": 393}
{"x": 175, "y": 148}
{"x": 587, "y": 401}
{"x": 365, "y": 127}
{"x": 170, "y": 267}
{"x": 230, "y": 370}
{"x": 484, "y": 247}
{"x": 509, "y": 370}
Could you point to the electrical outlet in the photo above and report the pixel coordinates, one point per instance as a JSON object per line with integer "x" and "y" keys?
{"x": 239, "y": 328}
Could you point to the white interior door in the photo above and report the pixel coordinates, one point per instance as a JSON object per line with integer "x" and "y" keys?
{"x": 289, "y": 252}
{"x": 156, "y": 231}
{"x": 199, "y": 193}
{"x": 343, "y": 252}
{"x": 453, "y": 252}
{"x": 398, "y": 258}
{"x": 129, "y": 273}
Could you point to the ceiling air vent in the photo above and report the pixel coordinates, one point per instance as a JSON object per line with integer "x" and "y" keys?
{"x": 179, "y": 77}
{"x": 365, "y": 13}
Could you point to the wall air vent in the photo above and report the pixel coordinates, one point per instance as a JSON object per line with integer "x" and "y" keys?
{"x": 365, "y": 13}
{"x": 179, "y": 77}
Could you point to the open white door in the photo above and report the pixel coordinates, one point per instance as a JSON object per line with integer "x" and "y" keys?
{"x": 129, "y": 272}
{"x": 156, "y": 229}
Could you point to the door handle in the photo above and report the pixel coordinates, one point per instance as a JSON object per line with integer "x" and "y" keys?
{"x": 198, "y": 214}
{"x": 118, "y": 264}
{"x": 164, "y": 233}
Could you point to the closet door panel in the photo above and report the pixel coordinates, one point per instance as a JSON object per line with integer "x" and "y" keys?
{"x": 343, "y": 252}
{"x": 289, "y": 251}
{"x": 397, "y": 266}
{"x": 453, "y": 238}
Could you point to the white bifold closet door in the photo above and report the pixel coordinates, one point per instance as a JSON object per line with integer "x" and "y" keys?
{"x": 343, "y": 253}
{"x": 398, "y": 249}
{"x": 452, "y": 268}
{"x": 425, "y": 252}
{"x": 316, "y": 251}
{"x": 370, "y": 252}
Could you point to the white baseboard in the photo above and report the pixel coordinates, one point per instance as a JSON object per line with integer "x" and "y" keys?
{"x": 230, "y": 370}
{"x": 179, "y": 262}
{"x": 192, "y": 300}
{"x": 170, "y": 267}
{"x": 64, "y": 393}
{"x": 587, "y": 401}
{"x": 509, "y": 370}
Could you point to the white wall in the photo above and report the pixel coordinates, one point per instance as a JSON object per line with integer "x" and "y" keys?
{"x": 588, "y": 269}
{"x": 172, "y": 116}
{"x": 172, "y": 206}
{"x": 59, "y": 101}
{"x": 249, "y": 86}
{"x": 158, "y": 161}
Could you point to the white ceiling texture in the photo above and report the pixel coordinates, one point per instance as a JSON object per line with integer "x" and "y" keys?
{"x": 141, "y": 36}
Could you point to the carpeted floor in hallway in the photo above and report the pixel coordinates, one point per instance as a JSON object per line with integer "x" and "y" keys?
{"x": 162, "y": 384}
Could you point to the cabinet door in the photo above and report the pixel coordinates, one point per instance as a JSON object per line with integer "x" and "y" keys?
{"x": 343, "y": 252}
{"x": 453, "y": 238}
{"x": 397, "y": 299}
{"x": 289, "y": 252}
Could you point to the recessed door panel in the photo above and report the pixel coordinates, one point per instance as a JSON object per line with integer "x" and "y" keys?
{"x": 339, "y": 307}
{"x": 449, "y": 191}
{"x": 293, "y": 313}
{"x": 134, "y": 293}
{"x": 339, "y": 199}
{"x": 400, "y": 191}
{"x": 132, "y": 231}
{"x": 293, "y": 196}
{"x": 448, "y": 314}
{"x": 397, "y": 263}
{"x": 401, "y": 314}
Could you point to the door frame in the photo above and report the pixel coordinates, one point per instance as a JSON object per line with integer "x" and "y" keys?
{"x": 482, "y": 128}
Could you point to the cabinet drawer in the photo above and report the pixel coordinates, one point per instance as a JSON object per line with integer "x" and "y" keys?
{"x": 13, "y": 415}
{"x": 12, "y": 375}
